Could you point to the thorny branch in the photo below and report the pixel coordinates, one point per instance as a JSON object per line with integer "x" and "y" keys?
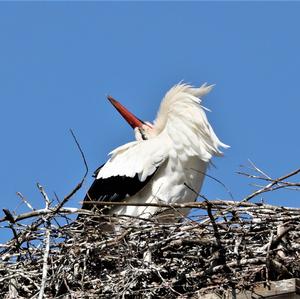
{"x": 228, "y": 244}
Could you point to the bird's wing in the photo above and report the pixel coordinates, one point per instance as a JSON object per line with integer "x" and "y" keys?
{"x": 129, "y": 169}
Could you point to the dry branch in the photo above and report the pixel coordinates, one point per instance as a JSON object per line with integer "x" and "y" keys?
{"x": 228, "y": 244}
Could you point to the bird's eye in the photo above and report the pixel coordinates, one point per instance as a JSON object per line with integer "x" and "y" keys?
{"x": 142, "y": 131}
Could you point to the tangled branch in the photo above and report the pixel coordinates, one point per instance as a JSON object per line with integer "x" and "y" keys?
{"x": 224, "y": 244}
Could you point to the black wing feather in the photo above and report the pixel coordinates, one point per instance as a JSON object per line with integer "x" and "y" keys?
{"x": 115, "y": 188}
{"x": 97, "y": 170}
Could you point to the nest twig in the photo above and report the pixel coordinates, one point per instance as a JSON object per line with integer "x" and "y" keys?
{"x": 223, "y": 245}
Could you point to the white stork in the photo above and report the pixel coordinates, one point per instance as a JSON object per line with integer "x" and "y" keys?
{"x": 167, "y": 156}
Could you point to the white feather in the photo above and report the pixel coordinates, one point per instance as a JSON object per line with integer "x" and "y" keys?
{"x": 138, "y": 157}
{"x": 181, "y": 144}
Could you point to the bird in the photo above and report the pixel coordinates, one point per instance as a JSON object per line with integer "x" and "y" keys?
{"x": 165, "y": 164}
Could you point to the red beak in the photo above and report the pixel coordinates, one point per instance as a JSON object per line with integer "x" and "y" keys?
{"x": 133, "y": 121}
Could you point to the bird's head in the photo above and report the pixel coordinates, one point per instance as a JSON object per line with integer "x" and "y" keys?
{"x": 143, "y": 130}
{"x": 182, "y": 118}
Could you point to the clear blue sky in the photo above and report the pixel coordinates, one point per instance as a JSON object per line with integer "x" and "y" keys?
{"x": 58, "y": 61}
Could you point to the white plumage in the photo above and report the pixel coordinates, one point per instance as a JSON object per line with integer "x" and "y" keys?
{"x": 176, "y": 153}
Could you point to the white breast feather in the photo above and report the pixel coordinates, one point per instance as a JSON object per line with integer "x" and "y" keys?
{"x": 181, "y": 124}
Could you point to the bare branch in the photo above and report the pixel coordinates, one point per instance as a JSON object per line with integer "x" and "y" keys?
{"x": 228, "y": 244}
{"x": 79, "y": 185}
{"x": 269, "y": 186}
{"x": 45, "y": 264}
{"x": 218, "y": 181}
{"x": 25, "y": 200}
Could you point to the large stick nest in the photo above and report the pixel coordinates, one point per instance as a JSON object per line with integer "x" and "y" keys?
{"x": 224, "y": 245}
